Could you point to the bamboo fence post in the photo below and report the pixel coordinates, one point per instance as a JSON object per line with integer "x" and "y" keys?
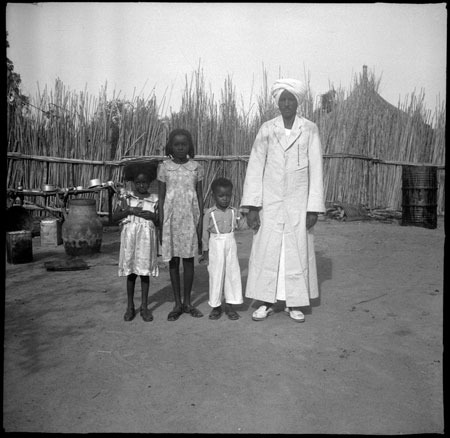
{"x": 110, "y": 204}
{"x": 370, "y": 184}
{"x": 46, "y": 168}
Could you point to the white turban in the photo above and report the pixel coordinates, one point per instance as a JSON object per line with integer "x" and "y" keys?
{"x": 294, "y": 86}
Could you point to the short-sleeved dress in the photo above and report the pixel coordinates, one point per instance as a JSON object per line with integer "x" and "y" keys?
{"x": 181, "y": 209}
{"x": 138, "y": 239}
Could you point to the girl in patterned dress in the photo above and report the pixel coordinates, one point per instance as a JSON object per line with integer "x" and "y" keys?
{"x": 138, "y": 213}
{"x": 181, "y": 201}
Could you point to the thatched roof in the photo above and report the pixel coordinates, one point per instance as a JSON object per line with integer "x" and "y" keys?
{"x": 365, "y": 94}
{"x": 371, "y": 123}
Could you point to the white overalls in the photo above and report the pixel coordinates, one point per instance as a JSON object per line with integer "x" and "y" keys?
{"x": 223, "y": 267}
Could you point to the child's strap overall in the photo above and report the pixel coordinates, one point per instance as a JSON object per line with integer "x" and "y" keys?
{"x": 217, "y": 228}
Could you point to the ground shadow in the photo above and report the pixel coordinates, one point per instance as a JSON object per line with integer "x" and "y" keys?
{"x": 324, "y": 273}
{"x": 50, "y": 253}
{"x": 199, "y": 293}
{"x": 111, "y": 248}
{"x": 200, "y": 289}
{"x": 162, "y": 296}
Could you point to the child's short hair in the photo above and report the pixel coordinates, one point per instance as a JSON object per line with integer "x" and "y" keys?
{"x": 173, "y": 134}
{"x": 221, "y": 182}
{"x": 137, "y": 167}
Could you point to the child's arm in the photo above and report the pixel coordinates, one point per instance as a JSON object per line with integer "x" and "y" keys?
{"x": 147, "y": 215}
{"x": 161, "y": 199}
{"x": 122, "y": 211}
{"x": 204, "y": 258}
{"x": 199, "y": 190}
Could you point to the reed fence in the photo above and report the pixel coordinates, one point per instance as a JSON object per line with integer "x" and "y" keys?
{"x": 67, "y": 138}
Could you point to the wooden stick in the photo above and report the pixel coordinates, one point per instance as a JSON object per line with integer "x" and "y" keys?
{"x": 19, "y": 156}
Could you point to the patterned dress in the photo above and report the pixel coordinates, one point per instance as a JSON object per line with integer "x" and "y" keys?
{"x": 138, "y": 239}
{"x": 181, "y": 209}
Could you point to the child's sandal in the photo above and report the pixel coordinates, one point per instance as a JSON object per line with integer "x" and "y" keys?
{"x": 232, "y": 314}
{"x": 193, "y": 311}
{"x": 175, "y": 314}
{"x": 146, "y": 315}
{"x": 129, "y": 314}
{"x": 216, "y": 313}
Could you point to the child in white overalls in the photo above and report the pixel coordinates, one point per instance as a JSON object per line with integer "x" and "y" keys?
{"x": 220, "y": 251}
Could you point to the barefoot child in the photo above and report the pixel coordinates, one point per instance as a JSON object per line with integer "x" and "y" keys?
{"x": 137, "y": 213}
{"x": 181, "y": 201}
{"x": 220, "y": 251}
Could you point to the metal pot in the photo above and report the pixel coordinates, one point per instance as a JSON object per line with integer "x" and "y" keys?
{"x": 94, "y": 183}
{"x": 79, "y": 188}
{"x": 48, "y": 188}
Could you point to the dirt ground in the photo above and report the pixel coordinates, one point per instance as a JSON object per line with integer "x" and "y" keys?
{"x": 367, "y": 360}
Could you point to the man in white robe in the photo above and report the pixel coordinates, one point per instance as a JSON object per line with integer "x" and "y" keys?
{"x": 283, "y": 191}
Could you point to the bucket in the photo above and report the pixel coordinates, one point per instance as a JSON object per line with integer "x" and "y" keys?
{"x": 82, "y": 230}
{"x": 19, "y": 247}
{"x": 51, "y": 232}
{"x": 419, "y": 200}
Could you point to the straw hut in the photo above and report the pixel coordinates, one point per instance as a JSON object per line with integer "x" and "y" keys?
{"x": 373, "y": 119}
{"x": 366, "y": 140}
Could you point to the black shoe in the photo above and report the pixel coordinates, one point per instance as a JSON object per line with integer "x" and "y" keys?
{"x": 216, "y": 313}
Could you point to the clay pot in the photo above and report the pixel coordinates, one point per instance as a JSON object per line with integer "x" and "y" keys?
{"x": 82, "y": 230}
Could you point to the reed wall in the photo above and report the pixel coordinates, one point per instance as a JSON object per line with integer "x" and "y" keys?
{"x": 67, "y": 138}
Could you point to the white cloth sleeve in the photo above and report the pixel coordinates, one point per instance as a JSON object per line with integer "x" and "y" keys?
{"x": 316, "y": 195}
{"x": 253, "y": 183}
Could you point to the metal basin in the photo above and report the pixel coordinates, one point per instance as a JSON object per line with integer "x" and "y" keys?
{"x": 48, "y": 188}
{"x": 94, "y": 183}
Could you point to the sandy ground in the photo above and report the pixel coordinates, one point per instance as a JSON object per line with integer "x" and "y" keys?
{"x": 367, "y": 360}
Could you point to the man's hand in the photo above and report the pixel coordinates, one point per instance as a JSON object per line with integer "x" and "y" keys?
{"x": 253, "y": 220}
{"x": 311, "y": 219}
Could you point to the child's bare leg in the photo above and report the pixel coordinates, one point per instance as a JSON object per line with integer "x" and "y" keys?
{"x": 174, "y": 271}
{"x": 145, "y": 284}
{"x": 130, "y": 313}
{"x": 188, "y": 277}
{"x": 131, "y": 280}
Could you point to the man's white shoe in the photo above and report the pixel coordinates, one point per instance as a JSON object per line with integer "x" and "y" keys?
{"x": 262, "y": 313}
{"x": 296, "y": 315}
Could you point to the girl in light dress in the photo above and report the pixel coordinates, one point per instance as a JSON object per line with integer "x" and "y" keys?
{"x": 137, "y": 213}
{"x": 181, "y": 203}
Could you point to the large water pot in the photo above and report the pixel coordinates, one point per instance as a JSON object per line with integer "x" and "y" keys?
{"x": 82, "y": 230}
{"x": 419, "y": 201}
